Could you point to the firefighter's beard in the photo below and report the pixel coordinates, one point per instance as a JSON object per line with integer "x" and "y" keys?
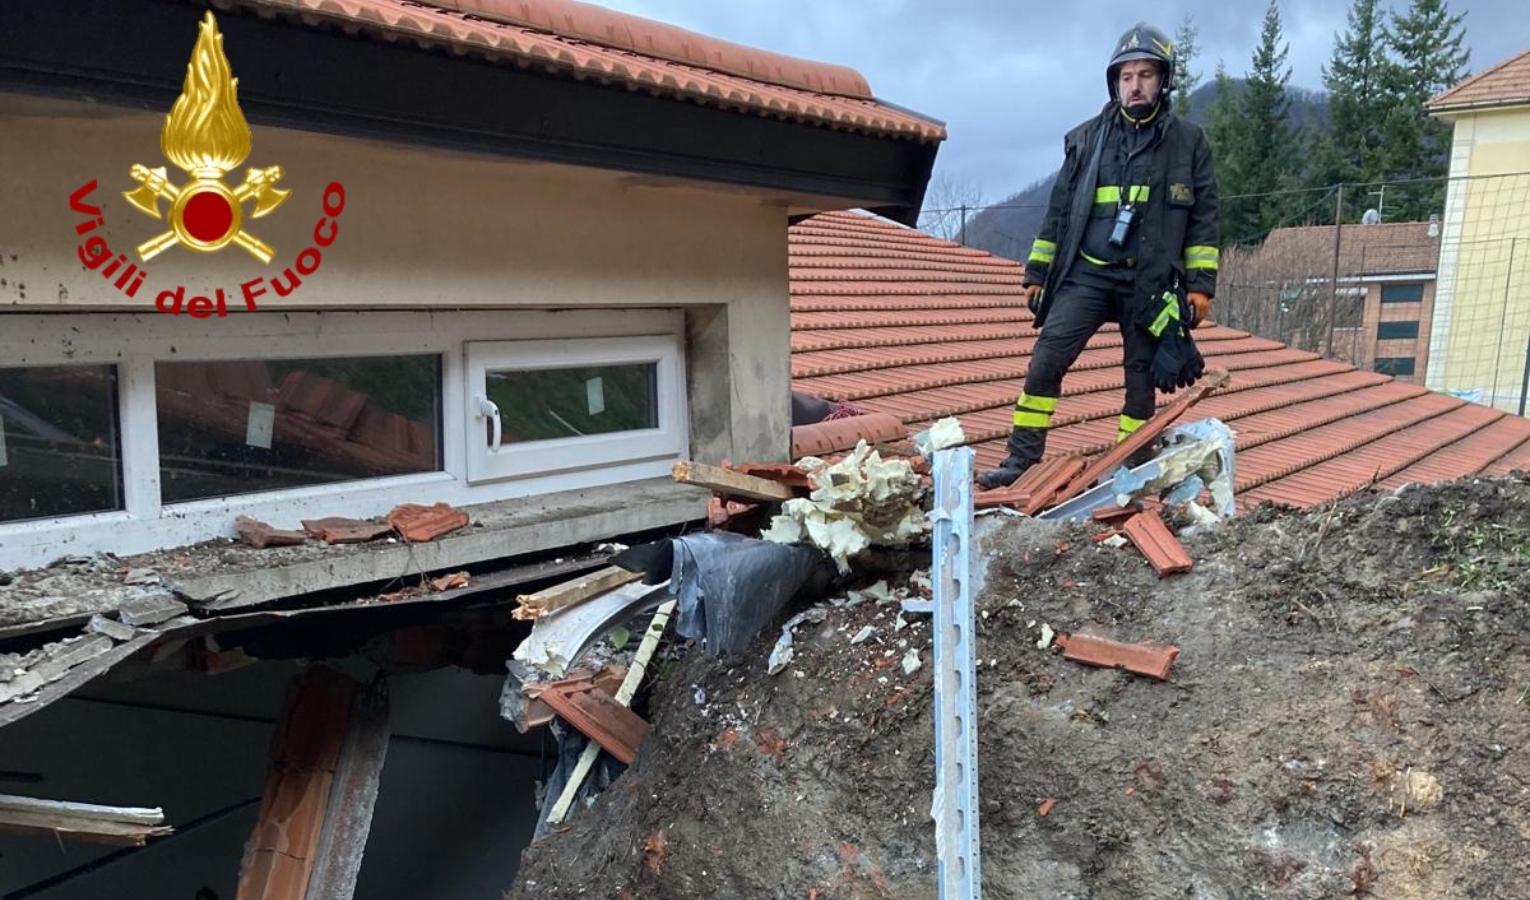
{"x": 1139, "y": 111}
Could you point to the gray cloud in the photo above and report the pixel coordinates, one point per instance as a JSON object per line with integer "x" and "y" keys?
{"x": 1009, "y": 78}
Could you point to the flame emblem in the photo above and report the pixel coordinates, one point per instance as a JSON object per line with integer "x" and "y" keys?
{"x": 206, "y": 135}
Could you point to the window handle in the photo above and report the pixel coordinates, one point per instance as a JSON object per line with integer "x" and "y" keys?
{"x": 487, "y": 409}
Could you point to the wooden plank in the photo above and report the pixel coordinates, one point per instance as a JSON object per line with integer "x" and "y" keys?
{"x": 730, "y": 484}
{"x": 618, "y": 730}
{"x": 572, "y": 593}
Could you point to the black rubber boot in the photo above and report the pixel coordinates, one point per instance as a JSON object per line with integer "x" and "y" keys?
{"x": 1024, "y": 450}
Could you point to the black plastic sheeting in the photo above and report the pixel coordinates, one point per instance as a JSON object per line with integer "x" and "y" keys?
{"x": 729, "y": 586}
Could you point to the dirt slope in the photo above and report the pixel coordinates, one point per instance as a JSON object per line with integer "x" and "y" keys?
{"x": 1348, "y": 717}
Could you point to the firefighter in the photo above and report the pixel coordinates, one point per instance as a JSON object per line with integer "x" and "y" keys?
{"x": 1132, "y": 225}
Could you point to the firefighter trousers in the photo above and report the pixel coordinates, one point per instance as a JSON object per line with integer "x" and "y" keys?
{"x": 1089, "y": 298}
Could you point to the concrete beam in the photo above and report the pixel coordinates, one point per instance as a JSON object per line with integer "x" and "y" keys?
{"x": 502, "y": 530}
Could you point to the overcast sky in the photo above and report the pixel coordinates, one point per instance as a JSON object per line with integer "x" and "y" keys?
{"x": 1009, "y": 78}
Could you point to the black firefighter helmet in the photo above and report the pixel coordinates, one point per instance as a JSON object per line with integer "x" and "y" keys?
{"x": 1143, "y": 41}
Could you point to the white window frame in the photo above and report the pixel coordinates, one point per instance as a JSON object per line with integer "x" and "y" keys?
{"x": 134, "y": 343}
{"x": 664, "y": 442}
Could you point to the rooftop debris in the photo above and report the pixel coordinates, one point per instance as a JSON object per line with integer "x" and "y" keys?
{"x": 572, "y": 593}
{"x": 88, "y": 822}
{"x": 575, "y": 780}
{"x": 259, "y": 535}
{"x": 418, "y": 524}
{"x": 1151, "y": 536}
{"x": 1142, "y": 659}
{"x": 558, "y": 640}
{"x": 525, "y": 709}
{"x": 340, "y": 530}
{"x": 616, "y": 729}
{"x": 858, "y": 502}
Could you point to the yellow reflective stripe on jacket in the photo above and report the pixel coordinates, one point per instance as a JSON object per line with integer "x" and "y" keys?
{"x": 1128, "y": 427}
{"x": 1199, "y": 256}
{"x": 1034, "y": 412}
{"x": 1043, "y": 252}
{"x": 1137, "y": 193}
{"x": 1169, "y": 313}
{"x": 1090, "y": 259}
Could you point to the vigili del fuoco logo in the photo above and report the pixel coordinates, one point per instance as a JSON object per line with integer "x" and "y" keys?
{"x": 206, "y": 136}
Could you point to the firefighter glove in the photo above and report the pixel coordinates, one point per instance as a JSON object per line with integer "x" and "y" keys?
{"x": 1032, "y": 294}
{"x": 1200, "y": 307}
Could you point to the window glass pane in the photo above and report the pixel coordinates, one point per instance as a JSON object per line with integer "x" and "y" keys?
{"x": 1402, "y": 293}
{"x": 257, "y": 425}
{"x": 1394, "y": 365}
{"x": 1396, "y": 331}
{"x": 541, "y": 404}
{"x": 59, "y": 448}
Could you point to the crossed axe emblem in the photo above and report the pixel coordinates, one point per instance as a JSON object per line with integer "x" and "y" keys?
{"x": 206, "y": 215}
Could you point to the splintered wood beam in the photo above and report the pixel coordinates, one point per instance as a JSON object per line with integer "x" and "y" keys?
{"x": 572, "y": 593}
{"x": 87, "y": 822}
{"x": 729, "y": 483}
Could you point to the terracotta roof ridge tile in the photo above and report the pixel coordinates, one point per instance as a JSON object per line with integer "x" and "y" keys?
{"x": 753, "y": 88}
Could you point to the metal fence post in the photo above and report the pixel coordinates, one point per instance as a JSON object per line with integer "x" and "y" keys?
{"x": 955, "y": 805}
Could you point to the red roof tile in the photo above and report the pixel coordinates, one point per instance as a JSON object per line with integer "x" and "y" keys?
{"x": 1506, "y": 84}
{"x": 588, "y": 42}
{"x": 904, "y": 323}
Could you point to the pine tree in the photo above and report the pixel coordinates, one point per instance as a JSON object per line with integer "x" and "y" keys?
{"x": 1230, "y": 148}
{"x": 1427, "y": 43}
{"x": 1349, "y": 151}
{"x": 1264, "y": 117}
{"x": 1185, "y": 79}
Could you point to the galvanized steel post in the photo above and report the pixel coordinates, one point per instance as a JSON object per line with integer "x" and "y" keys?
{"x": 955, "y": 805}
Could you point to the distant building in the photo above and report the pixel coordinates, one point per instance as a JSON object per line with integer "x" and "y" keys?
{"x": 1386, "y": 289}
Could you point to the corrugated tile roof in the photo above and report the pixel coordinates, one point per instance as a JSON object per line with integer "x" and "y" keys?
{"x": 589, "y": 42}
{"x": 900, "y": 322}
{"x": 1388, "y": 248}
{"x": 1506, "y": 84}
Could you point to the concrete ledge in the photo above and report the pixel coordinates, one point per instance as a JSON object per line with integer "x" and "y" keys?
{"x": 238, "y": 577}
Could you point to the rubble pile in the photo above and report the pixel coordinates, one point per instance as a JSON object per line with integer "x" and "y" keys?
{"x": 1329, "y": 703}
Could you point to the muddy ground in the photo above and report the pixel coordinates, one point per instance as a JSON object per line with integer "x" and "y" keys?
{"x": 1349, "y": 716}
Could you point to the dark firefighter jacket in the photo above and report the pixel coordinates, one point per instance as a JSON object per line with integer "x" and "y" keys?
{"x": 1176, "y": 235}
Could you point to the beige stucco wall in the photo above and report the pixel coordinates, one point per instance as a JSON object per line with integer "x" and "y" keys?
{"x": 1482, "y": 319}
{"x": 425, "y": 228}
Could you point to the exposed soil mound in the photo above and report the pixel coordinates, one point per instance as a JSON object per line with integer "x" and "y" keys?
{"x": 1349, "y": 716}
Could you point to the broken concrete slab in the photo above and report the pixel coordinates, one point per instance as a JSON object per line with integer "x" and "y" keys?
{"x": 65, "y": 655}
{"x": 22, "y": 684}
{"x": 117, "y": 631}
{"x": 150, "y": 610}
{"x": 259, "y": 535}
